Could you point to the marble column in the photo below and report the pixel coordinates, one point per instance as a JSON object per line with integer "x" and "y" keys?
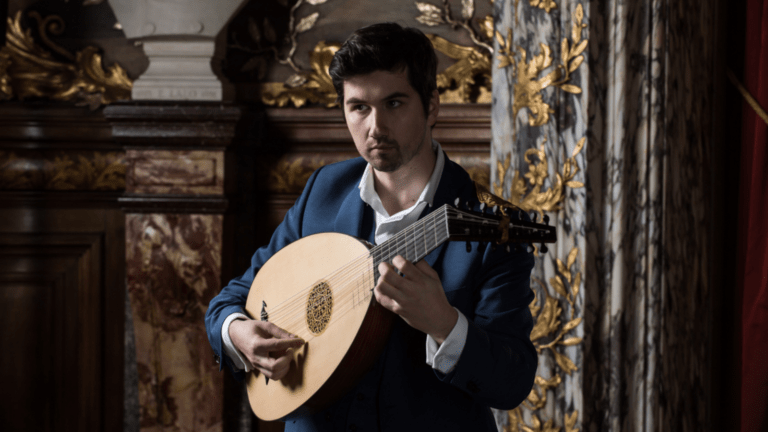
{"x": 602, "y": 119}
{"x": 176, "y": 158}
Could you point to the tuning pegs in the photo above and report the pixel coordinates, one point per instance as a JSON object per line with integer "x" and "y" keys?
{"x": 546, "y": 219}
{"x": 495, "y": 210}
{"x": 534, "y": 216}
{"x": 519, "y": 215}
{"x": 457, "y": 202}
{"x": 482, "y": 207}
{"x": 543, "y": 249}
{"x": 529, "y": 248}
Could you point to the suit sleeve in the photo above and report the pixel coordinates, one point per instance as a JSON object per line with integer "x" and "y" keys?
{"x": 232, "y": 297}
{"x": 498, "y": 364}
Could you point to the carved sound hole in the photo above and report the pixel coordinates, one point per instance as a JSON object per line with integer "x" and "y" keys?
{"x": 319, "y": 308}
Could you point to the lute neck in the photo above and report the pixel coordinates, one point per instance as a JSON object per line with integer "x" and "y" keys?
{"x": 414, "y": 242}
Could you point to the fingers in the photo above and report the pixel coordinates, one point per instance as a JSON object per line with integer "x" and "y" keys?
{"x": 426, "y": 269}
{"x": 270, "y": 330}
{"x": 275, "y": 367}
{"x": 386, "y": 296}
{"x": 274, "y": 344}
{"x": 406, "y": 268}
{"x": 266, "y": 346}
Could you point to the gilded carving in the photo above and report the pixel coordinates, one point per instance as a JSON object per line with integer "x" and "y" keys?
{"x": 266, "y": 33}
{"x": 552, "y": 328}
{"x": 306, "y": 87}
{"x": 469, "y": 79}
{"x": 529, "y": 86}
{"x": 27, "y": 70}
{"x": 466, "y": 81}
{"x": 458, "y": 80}
{"x": 549, "y": 332}
{"x": 432, "y": 15}
{"x": 60, "y": 171}
{"x": 290, "y": 175}
{"x": 547, "y": 5}
{"x": 548, "y": 200}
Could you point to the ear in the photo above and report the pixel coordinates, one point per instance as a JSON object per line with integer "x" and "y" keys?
{"x": 434, "y": 108}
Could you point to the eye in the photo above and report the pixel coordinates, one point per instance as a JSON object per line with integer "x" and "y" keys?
{"x": 359, "y": 107}
{"x": 394, "y": 103}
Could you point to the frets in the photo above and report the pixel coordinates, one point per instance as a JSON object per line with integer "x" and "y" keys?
{"x": 414, "y": 242}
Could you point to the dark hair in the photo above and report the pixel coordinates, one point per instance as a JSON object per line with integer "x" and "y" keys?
{"x": 387, "y": 47}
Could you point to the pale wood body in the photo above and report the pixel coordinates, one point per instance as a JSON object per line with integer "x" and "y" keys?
{"x": 329, "y": 363}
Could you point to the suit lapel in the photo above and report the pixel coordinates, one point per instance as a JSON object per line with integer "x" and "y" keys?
{"x": 349, "y": 220}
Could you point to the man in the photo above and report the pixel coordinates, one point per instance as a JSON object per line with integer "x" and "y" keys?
{"x": 465, "y": 311}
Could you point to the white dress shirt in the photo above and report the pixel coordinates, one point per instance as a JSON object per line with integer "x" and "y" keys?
{"x": 441, "y": 357}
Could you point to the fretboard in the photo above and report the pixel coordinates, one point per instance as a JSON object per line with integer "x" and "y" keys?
{"x": 414, "y": 242}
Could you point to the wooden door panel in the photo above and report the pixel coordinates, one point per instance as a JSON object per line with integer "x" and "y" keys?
{"x": 53, "y": 297}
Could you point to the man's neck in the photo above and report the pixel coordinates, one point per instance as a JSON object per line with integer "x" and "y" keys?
{"x": 399, "y": 190}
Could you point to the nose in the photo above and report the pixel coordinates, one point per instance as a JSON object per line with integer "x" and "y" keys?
{"x": 378, "y": 129}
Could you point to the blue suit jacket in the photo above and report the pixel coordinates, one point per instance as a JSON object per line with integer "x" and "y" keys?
{"x": 401, "y": 392}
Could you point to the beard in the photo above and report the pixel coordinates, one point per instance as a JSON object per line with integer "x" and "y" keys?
{"x": 391, "y": 156}
{"x": 388, "y": 160}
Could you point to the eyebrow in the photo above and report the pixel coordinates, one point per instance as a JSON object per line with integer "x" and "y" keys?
{"x": 395, "y": 95}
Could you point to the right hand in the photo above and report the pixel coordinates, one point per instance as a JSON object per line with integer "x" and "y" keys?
{"x": 267, "y": 347}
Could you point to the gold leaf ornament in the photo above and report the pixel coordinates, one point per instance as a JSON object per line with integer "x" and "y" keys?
{"x": 537, "y": 198}
{"x": 5, "y": 80}
{"x": 546, "y": 5}
{"x": 431, "y": 15}
{"x": 31, "y": 71}
{"x": 457, "y": 80}
{"x": 529, "y": 84}
{"x": 307, "y": 22}
{"x": 467, "y": 8}
{"x": 570, "y": 422}
{"x": 315, "y": 86}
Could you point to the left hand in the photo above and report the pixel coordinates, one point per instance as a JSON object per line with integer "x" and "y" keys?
{"x": 417, "y": 296}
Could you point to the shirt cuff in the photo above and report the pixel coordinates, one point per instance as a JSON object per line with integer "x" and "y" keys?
{"x": 445, "y": 356}
{"x": 238, "y": 359}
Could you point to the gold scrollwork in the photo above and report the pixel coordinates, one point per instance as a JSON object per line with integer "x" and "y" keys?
{"x": 528, "y": 87}
{"x": 457, "y": 82}
{"x": 549, "y": 200}
{"x": 547, "y": 5}
{"x": 313, "y": 87}
{"x": 468, "y": 80}
{"x": 27, "y": 70}
{"x": 100, "y": 171}
{"x": 290, "y": 176}
{"x": 547, "y": 314}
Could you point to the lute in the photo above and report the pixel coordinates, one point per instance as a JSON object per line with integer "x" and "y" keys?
{"x": 321, "y": 288}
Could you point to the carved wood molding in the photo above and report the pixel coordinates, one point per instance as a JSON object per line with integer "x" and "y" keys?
{"x": 299, "y": 141}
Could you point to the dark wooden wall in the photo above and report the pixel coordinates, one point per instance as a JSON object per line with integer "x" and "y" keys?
{"x": 62, "y": 279}
{"x": 69, "y": 182}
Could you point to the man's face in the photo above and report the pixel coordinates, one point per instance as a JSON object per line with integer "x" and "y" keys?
{"x": 386, "y": 119}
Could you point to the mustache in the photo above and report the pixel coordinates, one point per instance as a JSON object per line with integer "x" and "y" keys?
{"x": 382, "y": 142}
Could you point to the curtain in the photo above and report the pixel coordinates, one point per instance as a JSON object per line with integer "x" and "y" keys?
{"x": 753, "y": 226}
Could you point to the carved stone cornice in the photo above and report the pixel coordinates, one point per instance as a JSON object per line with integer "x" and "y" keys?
{"x": 174, "y": 124}
{"x": 175, "y": 154}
